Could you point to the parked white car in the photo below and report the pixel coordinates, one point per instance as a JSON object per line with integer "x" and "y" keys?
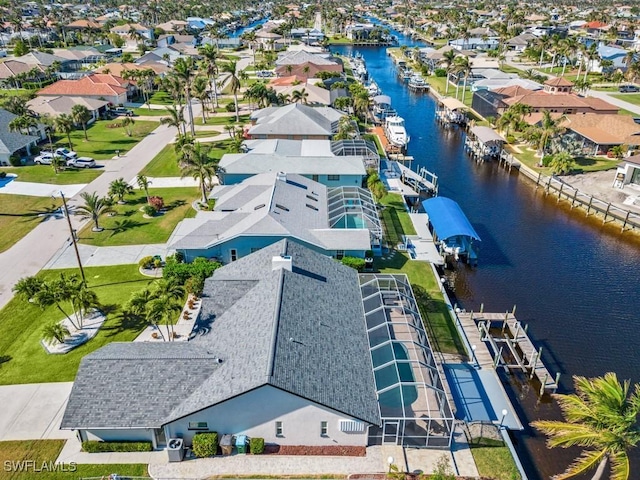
{"x": 81, "y": 162}
{"x": 45, "y": 158}
{"x": 66, "y": 153}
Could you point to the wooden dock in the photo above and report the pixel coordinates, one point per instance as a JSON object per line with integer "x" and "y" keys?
{"x": 502, "y": 335}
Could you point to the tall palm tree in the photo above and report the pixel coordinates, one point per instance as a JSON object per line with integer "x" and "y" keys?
{"x": 64, "y": 124}
{"x": 94, "y": 207}
{"x": 462, "y": 66}
{"x": 601, "y": 416}
{"x": 199, "y": 90}
{"x": 448, "y": 57}
{"x": 81, "y": 114}
{"x": 49, "y": 124}
{"x": 143, "y": 183}
{"x": 119, "y": 188}
{"x": 549, "y": 128}
{"x": 175, "y": 119}
{"x": 201, "y": 167}
{"x": 300, "y": 96}
{"x": 163, "y": 308}
{"x": 210, "y": 55}
{"x": 184, "y": 68}
{"x": 55, "y": 292}
{"x": 234, "y": 82}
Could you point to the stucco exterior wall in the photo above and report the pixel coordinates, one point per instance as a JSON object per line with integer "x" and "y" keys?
{"x": 255, "y": 414}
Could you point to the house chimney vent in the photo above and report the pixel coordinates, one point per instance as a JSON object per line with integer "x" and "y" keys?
{"x": 281, "y": 176}
{"x": 282, "y": 262}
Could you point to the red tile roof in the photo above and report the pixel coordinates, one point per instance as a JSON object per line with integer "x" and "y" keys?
{"x": 89, "y": 85}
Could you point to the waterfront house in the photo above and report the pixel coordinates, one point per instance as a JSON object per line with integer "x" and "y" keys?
{"x": 294, "y": 122}
{"x": 597, "y": 134}
{"x": 306, "y": 64}
{"x": 628, "y": 172}
{"x": 268, "y": 207}
{"x": 55, "y": 106}
{"x": 277, "y": 355}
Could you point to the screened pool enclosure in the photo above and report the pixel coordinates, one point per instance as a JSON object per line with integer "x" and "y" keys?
{"x": 413, "y": 405}
{"x": 354, "y": 207}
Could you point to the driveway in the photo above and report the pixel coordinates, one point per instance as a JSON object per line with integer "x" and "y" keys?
{"x": 92, "y": 256}
{"x": 33, "y": 411}
{"x": 17, "y": 187}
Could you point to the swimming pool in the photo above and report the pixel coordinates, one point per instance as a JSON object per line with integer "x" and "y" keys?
{"x": 397, "y": 373}
{"x": 5, "y": 180}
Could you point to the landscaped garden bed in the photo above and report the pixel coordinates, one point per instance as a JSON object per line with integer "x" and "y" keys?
{"x": 325, "y": 450}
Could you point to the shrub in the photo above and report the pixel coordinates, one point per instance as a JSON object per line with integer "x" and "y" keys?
{"x": 511, "y": 139}
{"x": 93, "y": 446}
{"x": 230, "y": 107}
{"x": 181, "y": 272}
{"x": 179, "y": 257}
{"x": 354, "y": 262}
{"x": 546, "y": 160}
{"x": 205, "y": 444}
{"x": 194, "y": 285}
{"x": 157, "y": 263}
{"x": 256, "y": 445}
{"x": 157, "y": 203}
{"x": 15, "y": 161}
{"x": 440, "y": 72}
{"x": 149, "y": 210}
{"x": 3, "y": 174}
{"x": 368, "y": 254}
{"x": 146, "y": 262}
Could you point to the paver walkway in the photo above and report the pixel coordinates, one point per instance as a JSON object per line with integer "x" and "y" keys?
{"x": 93, "y": 256}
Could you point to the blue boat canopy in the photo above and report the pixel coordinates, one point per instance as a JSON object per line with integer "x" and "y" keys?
{"x": 448, "y": 219}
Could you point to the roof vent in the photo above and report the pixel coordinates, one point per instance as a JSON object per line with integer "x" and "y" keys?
{"x": 281, "y": 176}
{"x": 284, "y": 262}
{"x": 217, "y": 360}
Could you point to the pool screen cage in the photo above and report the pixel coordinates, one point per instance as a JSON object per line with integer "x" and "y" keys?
{"x": 413, "y": 405}
{"x": 354, "y": 207}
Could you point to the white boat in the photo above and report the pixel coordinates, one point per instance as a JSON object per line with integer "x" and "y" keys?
{"x": 395, "y": 131}
{"x": 417, "y": 83}
{"x": 373, "y": 89}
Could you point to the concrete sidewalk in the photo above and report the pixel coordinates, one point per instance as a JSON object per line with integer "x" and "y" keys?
{"x": 92, "y": 256}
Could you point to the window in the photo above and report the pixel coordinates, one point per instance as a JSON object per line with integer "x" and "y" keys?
{"x": 339, "y": 254}
{"x": 314, "y": 178}
{"x": 279, "y": 429}
{"x": 333, "y": 178}
{"x": 233, "y": 253}
{"x": 198, "y": 426}
{"x": 324, "y": 429}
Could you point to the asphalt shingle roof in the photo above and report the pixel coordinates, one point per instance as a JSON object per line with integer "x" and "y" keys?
{"x": 11, "y": 142}
{"x": 302, "y": 331}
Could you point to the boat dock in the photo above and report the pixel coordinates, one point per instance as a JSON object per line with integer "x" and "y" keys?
{"x": 502, "y": 341}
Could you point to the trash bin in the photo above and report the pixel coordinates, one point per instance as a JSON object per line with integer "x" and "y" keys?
{"x": 175, "y": 449}
{"x": 241, "y": 443}
{"x": 226, "y": 444}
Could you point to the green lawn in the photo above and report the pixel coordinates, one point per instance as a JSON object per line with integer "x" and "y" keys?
{"x": 104, "y": 141}
{"x": 509, "y": 69}
{"x": 395, "y": 219}
{"x": 222, "y": 119}
{"x": 633, "y": 98}
{"x": 129, "y": 227}
{"x": 439, "y": 83}
{"x": 624, "y": 111}
{"x": 16, "y": 92}
{"x": 165, "y": 164}
{"x": 495, "y": 462}
{"x": 46, "y": 174}
{"x": 161, "y": 98}
{"x": 582, "y": 164}
{"x": 19, "y": 215}
{"x": 40, "y": 451}
{"x": 149, "y": 112}
{"x": 339, "y": 41}
{"x": 23, "y": 358}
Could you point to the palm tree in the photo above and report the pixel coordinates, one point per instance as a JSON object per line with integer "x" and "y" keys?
{"x": 119, "y": 188}
{"x": 49, "y": 124}
{"x": 448, "y": 57}
{"x": 55, "y": 331}
{"x": 28, "y": 287}
{"x": 462, "y": 66}
{"x": 549, "y": 128}
{"x": 183, "y": 68}
{"x": 210, "y": 55}
{"x": 81, "y": 114}
{"x": 94, "y": 207}
{"x": 299, "y": 96}
{"x": 83, "y": 299}
{"x": 64, "y": 124}
{"x": 201, "y": 167}
{"x": 234, "y": 82}
{"x": 54, "y": 292}
{"x": 128, "y": 123}
{"x": 160, "y": 309}
{"x": 137, "y": 304}
{"x": 603, "y": 417}
{"x": 143, "y": 183}
{"x": 199, "y": 90}
{"x": 175, "y": 119}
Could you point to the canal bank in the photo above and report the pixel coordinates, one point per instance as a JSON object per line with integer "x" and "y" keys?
{"x": 573, "y": 281}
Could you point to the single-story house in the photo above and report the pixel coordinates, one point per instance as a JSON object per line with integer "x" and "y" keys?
{"x": 14, "y": 142}
{"x": 54, "y": 106}
{"x": 100, "y": 86}
{"x": 308, "y": 35}
{"x": 173, "y": 26}
{"x": 277, "y": 355}
{"x": 267, "y": 207}
{"x": 306, "y": 64}
{"x": 628, "y": 172}
{"x": 125, "y": 31}
{"x": 42, "y": 59}
{"x": 313, "y": 95}
{"x": 474, "y": 43}
{"x": 520, "y": 42}
{"x": 322, "y": 161}
{"x": 597, "y": 134}
{"x": 294, "y": 122}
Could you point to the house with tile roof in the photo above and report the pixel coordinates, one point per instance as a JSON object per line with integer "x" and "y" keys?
{"x": 294, "y": 122}
{"x": 306, "y": 64}
{"x": 275, "y": 353}
{"x": 268, "y": 207}
{"x": 55, "y": 106}
{"x": 597, "y": 134}
{"x": 99, "y": 86}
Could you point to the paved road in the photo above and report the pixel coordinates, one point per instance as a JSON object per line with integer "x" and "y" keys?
{"x": 33, "y": 252}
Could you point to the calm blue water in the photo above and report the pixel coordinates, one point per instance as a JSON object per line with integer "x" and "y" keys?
{"x": 252, "y": 25}
{"x": 5, "y": 180}
{"x": 574, "y": 282}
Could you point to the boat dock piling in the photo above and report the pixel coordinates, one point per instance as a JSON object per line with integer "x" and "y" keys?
{"x": 504, "y": 336}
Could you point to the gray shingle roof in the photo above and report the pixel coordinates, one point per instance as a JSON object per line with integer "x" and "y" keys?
{"x": 302, "y": 331}
{"x": 295, "y": 119}
{"x": 11, "y": 142}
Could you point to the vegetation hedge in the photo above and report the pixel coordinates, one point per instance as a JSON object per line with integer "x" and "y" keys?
{"x": 256, "y": 445}
{"x": 93, "y": 446}
{"x": 205, "y": 444}
{"x": 354, "y": 262}
{"x": 181, "y": 272}
{"x": 146, "y": 262}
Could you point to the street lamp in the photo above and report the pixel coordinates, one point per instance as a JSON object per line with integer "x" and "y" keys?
{"x": 473, "y": 354}
{"x": 73, "y": 235}
{"x": 504, "y": 414}
{"x": 390, "y": 462}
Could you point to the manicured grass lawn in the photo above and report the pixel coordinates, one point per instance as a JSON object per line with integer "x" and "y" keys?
{"x": 509, "y": 69}
{"x": 495, "y": 462}
{"x": 129, "y": 227}
{"x": 395, "y": 219}
{"x": 15, "y": 92}
{"x": 40, "y": 451}
{"x": 19, "y": 215}
{"x": 150, "y": 112}
{"x": 633, "y": 98}
{"x": 439, "y": 83}
{"x": 46, "y": 174}
{"x": 161, "y": 98}
{"x": 104, "y": 141}
{"x": 624, "y": 111}
{"x": 582, "y": 164}
{"x": 339, "y": 41}
{"x": 222, "y": 120}
{"x": 24, "y": 360}
{"x": 165, "y": 164}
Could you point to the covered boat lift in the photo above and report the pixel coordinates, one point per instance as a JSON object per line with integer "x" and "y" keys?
{"x": 451, "y": 111}
{"x": 454, "y": 234}
{"x": 483, "y": 143}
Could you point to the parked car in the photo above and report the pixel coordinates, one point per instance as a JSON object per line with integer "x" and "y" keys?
{"x": 3, "y": 53}
{"x": 66, "y": 153}
{"x": 264, "y": 73}
{"x": 628, "y": 89}
{"x": 120, "y": 111}
{"x": 81, "y": 162}
{"x": 45, "y": 158}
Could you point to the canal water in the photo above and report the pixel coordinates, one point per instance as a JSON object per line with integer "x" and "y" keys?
{"x": 574, "y": 282}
